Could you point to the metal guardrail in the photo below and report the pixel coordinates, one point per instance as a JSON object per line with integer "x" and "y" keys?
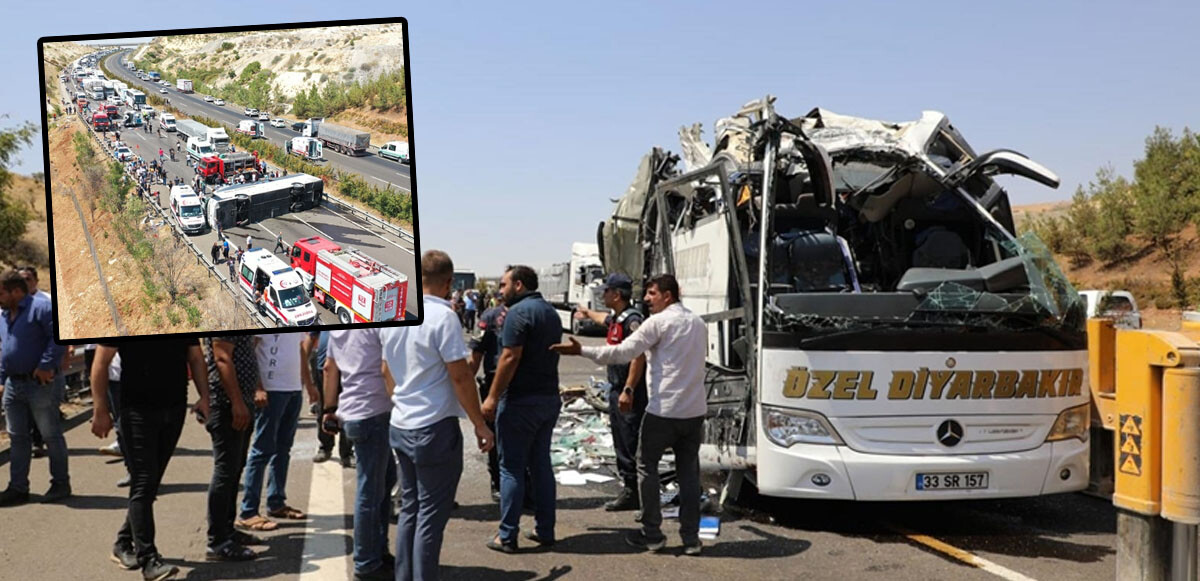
{"x": 181, "y": 237}
{"x": 396, "y": 230}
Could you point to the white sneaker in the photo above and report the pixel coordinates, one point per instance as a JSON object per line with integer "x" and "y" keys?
{"x": 111, "y": 450}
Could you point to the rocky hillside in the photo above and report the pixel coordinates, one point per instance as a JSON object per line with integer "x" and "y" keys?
{"x": 298, "y": 59}
{"x": 57, "y": 55}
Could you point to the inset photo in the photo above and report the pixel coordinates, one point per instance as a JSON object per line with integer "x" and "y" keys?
{"x": 231, "y": 179}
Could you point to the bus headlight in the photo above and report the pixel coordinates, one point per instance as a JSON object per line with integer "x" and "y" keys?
{"x": 786, "y": 427}
{"x": 1072, "y": 423}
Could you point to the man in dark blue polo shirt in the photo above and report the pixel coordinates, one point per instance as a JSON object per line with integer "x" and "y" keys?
{"x": 525, "y": 402}
{"x": 31, "y": 394}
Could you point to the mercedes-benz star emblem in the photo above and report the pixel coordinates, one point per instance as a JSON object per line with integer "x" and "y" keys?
{"x": 950, "y": 433}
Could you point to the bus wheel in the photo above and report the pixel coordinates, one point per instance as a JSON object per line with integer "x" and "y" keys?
{"x": 344, "y": 316}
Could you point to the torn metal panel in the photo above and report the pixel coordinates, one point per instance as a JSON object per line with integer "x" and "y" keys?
{"x": 696, "y": 153}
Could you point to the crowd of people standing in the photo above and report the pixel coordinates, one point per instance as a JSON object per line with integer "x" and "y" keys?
{"x": 390, "y": 400}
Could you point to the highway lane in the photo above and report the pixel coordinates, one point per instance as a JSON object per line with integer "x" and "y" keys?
{"x": 340, "y": 227}
{"x": 381, "y": 172}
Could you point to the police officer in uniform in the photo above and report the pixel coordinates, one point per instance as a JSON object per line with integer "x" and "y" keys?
{"x": 629, "y": 378}
{"x": 485, "y": 350}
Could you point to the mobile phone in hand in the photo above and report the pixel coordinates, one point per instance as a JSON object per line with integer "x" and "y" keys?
{"x": 331, "y": 424}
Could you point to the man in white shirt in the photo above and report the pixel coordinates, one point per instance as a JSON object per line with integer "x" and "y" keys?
{"x": 675, "y": 342}
{"x": 282, "y": 374}
{"x": 432, "y": 384}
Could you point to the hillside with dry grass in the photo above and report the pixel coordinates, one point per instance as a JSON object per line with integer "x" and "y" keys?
{"x": 352, "y": 75}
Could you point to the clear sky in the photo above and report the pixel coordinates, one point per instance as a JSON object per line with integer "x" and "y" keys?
{"x": 530, "y": 117}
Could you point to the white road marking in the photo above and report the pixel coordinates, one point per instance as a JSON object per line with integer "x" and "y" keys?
{"x": 324, "y": 554}
{"x": 963, "y": 556}
{"x": 391, "y": 184}
{"x": 370, "y": 231}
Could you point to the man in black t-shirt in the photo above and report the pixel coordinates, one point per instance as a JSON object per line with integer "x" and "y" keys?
{"x": 154, "y": 379}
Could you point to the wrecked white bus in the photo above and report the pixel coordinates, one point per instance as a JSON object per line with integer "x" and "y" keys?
{"x": 877, "y": 331}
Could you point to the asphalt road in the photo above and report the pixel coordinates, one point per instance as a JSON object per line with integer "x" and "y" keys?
{"x": 382, "y": 172}
{"x": 1060, "y": 538}
{"x": 341, "y": 227}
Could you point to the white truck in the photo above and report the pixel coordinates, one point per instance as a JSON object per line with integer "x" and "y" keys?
{"x": 876, "y": 330}
{"x": 218, "y": 138}
{"x": 566, "y": 285}
{"x": 199, "y": 148}
{"x": 1118, "y": 305}
{"x": 341, "y": 139}
{"x": 184, "y": 85}
{"x": 191, "y": 129}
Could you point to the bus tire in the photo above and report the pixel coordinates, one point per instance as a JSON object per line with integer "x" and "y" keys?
{"x": 343, "y": 316}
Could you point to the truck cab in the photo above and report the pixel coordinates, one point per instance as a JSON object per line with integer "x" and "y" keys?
{"x": 1118, "y": 305}
{"x": 132, "y": 119}
{"x": 187, "y": 208}
{"x": 100, "y": 122}
{"x": 283, "y": 298}
{"x": 304, "y": 256}
{"x": 197, "y": 149}
{"x": 167, "y": 122}
{"x": 218, "y": 138}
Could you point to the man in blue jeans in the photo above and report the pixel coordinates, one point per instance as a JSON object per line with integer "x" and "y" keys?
{"x": 31, "y": 393}
{"x": 433, "y": 385}
{"x": 363, "y": 409}
{"x": 282, "y": 372}
{"x": 524, "y": 401}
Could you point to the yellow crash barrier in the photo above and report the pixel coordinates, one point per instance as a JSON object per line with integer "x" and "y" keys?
{"x": 1141, "y": 360}
{"x": 1181, "y": 445}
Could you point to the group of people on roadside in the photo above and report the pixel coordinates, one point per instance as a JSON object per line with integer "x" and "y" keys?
{"x": 395, "y": 397}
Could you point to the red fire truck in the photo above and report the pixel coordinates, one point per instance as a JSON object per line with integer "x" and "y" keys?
{"x": 222, "y": 168}
{"x": 100, "y": 122}
{"x": 357, "y": 287}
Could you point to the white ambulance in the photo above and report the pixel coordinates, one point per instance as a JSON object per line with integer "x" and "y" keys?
{"x": 277, "y": 289}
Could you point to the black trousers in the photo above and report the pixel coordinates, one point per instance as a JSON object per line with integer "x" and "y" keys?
{"x": 345, "y": 447}
{"x": 684, "y": 437}
{"x": 626, "y": 430}
{"x": 229, "y": 458}
{"x": 148, "y": 437}
{"x": 485, "y": 385}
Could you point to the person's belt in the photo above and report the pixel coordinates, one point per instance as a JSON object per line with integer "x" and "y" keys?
{"x": 20, "y": 376}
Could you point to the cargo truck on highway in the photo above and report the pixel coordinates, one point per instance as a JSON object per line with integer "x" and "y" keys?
{"x": 358, "y": 288}
{"x": 242, "y": 204}
{"x": 222, "y": 168}
{"x": 154, "y": 76}
{"x": 198, "y": 148}
{"x": 876, "y": 330}
{"x": 184, "y": 85}
{"x": 338, "y": 138}
{"x": 188, "y": 129}
{"x": 566, "y": 285}
{"x": 100, "y": 121}
{"x": 218, "y": 138}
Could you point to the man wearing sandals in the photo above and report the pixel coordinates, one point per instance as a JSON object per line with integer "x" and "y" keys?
{"x": 282, "y": 373}
{"x": 233, "y": 375}
{"x": 433, "y": 385}
{"x": 154, "y": 382}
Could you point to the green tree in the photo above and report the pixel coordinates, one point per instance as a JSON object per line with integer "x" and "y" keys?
{"x": 1164, "y": 192}
{"x": 13, "y": 218}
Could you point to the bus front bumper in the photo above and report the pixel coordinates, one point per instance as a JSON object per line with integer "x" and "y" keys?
{"x": 837, "y": 472}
